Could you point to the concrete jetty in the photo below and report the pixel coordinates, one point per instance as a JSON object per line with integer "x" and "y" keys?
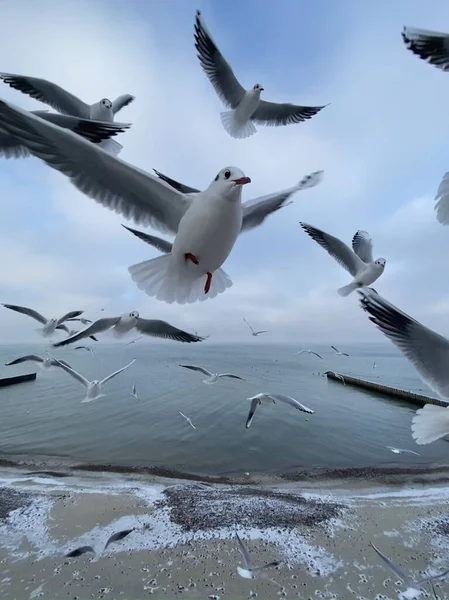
{"x": 4, "y": 381}
{"x": 385, "y": 389}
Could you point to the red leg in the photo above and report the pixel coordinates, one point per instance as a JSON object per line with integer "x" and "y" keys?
{"x": 191, "y": 257}
{"x": 208, "y": 282}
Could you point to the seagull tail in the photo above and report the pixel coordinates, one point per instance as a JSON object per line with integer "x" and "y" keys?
{"x": 347, "y": 289}
{"x": 236, "y": 128}
{"x": 163, "y": 279}
{"x": 430, "y": 423}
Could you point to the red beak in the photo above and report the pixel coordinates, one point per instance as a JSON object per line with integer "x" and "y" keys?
{"x": 242, "y": 180}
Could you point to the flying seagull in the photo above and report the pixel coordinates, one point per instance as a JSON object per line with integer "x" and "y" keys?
{"x": 426, "y": 350}
{"x": 272, "y": 399}
{"x": 135, "y": 340}
{"x": 93, "y": 388}
{"x": 374, "y": 365}
{"x": 308, "y": 352}
{"x": 134, "y": 393}
{"x": 50, "y": 325}
{"x": 87, "y": 349}
{"x": 211, "y": 377}
{"x": 128, "y": 321}
{"x": 413, "y": 587}
{"x": 206, "y": 224}
{"x": 97, "y": 132}
{"x": 337, "y": 351}
{"x": 401, "y": 451}
{"x": 431, "y": 46}
{"x": 254, "y": 333}
{"x": 250, "y": 571}
{"x": 189, "y": 421}
{"x": 358, "y": 262}
{"x": 116, "y": 537}
{"x": 44, "y": 363}
{"x": 247, "y": 107}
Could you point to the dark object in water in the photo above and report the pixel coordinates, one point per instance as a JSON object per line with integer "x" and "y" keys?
{"x": 4, "y": 381}
{"x": 79, "y": 551}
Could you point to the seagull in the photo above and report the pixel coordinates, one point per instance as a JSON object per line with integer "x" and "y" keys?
{"x": 358, "y": 261}
{"x": 116, "y": 537}
{"x": 412, "y": 590}
{"x": 50, "y": 325}
{"x": 189, "y": 421}
{"x": 272, "y": 399}
{"x": 44, "y": 363}
{"x": 442, "y": 201}
{"x": 247, "y": 107}
{"x": 81, "y": 320}
{"x": 136, "y": 340}
{"x": 86, "y": 348}
{"x": 128, "y": 321}
{"x": 250, "y": 571}
{"x": 374, "y": 365}
{"x": 206, "y": 224}
{"x": 93, "y": 388}
{"x": 429, "y": 354}
{"x": 134, "y": 393}
{"x": 254, "y": 333}
{"x": 73, "y": 332}
{"x": 211, "y": 377}
{"x": 401, "y": 451}
{"x": 431, "y": 46}
{"x": 307, "y": 352}
{"x": 338, "y": 351}
{"x": 97, "y": 132}
{"x": 337, "y": 375}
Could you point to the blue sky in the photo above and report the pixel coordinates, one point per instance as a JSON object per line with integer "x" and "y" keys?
{"x": 382, "y": 142}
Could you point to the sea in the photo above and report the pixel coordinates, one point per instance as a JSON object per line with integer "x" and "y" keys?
{"x": 44, "y": 421}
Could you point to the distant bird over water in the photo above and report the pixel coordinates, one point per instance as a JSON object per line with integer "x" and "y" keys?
{"x": 211, "y": 377}
{"x": 337, "y": 351}
{"x": 308, "y": 352}
{"x": 49, "y": 325}
{"x": 254, "y": 333}
{"x": 272, "y": 399}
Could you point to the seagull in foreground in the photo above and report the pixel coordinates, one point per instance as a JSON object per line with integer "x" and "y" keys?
{"x": 97, "y": 132}
{"x": 429, "y": 354}
{"x": 247, "y": 107}
{"x": 206, "y": 224}
{"x": 250, "y": 571}
{"x": 50, "y": 325}
{"x": 254, "y": 333}
{"x": 211, "y": 377}
{"x": 134, "y": 393}
{"x": 337, "y": 351}
{"x": 116, "y": 537}
{"x": 128, "y": 321}
{"x": 431, "y": 46}
{"x": 402, "y": 451}
{"x": 413, "y": 587}
{"x": 189, "y": 421}
{"x": 337, "y": 375}
{"x": 136, "y": 340}
{"x": 93, "y": 388}
{"x": 358, "y": 262}
{"x": 307, "y": 352}
{"x": 272, "y": 399}
{"x": 44, "y": 363}
{"x": 86, "y": 348}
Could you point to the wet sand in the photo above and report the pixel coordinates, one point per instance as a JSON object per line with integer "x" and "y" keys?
{"x": 184, "y": 544}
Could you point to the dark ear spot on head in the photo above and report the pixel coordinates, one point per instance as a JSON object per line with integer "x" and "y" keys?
{"x": 216, "y": 178}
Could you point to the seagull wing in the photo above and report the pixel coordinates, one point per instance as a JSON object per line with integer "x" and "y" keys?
{"x": 80, "y": 551}
{"x": 292, "y": 402}
{"x": 152, "y": 240}
{"x": 336, "y": 248}
{"x": 245, "y": 554}
{"x": 426, "y": 350}
{"x": 49, "y": 93}
{"x": 231, "y": 376}
{"x": 200, "y": 369}
{"x": 90, "y": 129}
{"x": 97, "y": 327}
{"x": 259, "y": 332}
{"x": 121, "y": 102}
{"x": 27, "y": 311}
{"x": 252, "y": 409}
{"x": 431, "y": 46}
{"x": 274, "y": 114}
{"x": 362, "y": 244}
{"x": 432, "y": 577}
{"x": 256, "y": 211}
{"x": 119, "y": 186}
{"x": 181, "y": 187}
{"x": 396, "y": 570}
{"x": 442, "y": 201}
{"x": 335, "y": 349}
{"x": 103, "y": 381}
{"x": 71, "y": 372}
{"x": 162, "y": 329}
{"x": 220, "y": 74}
{"x": 28, "y": 357}
{"x": 117, "y": 537}
{"x": 248, "y": 324}
{"x": 70, "y": 315}
{"x": 316, "y": 354}
{"x": 57, "y": 363}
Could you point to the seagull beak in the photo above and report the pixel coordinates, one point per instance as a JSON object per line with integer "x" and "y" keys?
{"x": 242, "y": 180}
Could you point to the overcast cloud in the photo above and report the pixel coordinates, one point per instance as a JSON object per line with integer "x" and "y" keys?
{"x": 383, "y": 143}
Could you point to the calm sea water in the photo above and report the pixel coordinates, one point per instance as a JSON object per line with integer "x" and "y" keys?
{"x": 45, "y": 420}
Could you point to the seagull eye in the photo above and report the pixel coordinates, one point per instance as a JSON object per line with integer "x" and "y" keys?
{"x": 227, "y": 174}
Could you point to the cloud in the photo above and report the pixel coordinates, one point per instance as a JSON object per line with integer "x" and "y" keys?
{"x": 381, "y": 143}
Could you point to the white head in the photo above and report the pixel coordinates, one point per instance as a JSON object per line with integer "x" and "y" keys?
{"x": 258, "y": 88}
{"x": 133, "y": 315}
{"x": 106, "y": 104}
{"x": 381, "y": 262}
{"x": 228, "y": 183}
{"x": 102, "y": 111}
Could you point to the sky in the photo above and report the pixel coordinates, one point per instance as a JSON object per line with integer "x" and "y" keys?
{"x": 382, "y": 142}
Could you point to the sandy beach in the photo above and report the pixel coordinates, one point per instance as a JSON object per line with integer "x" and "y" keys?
{"x": 184, "y": 541}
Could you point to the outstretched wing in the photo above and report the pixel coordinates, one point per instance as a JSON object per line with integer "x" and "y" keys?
{"x": 121, "y": 102}
{"x": 231, "y": 376}
{"x": 97, "y": 327}
{"x": 70, "y": 371}
{"x": 431, "y": 46}
{"x": 245, "y": 554}
{"x": 252, "y": 409}
{"x": 115, "y": 373}
{"x": 200, "y": 369}
{"x": 292, "y": 402}
{"x": 28, "y": 357}
{"x": 27, "y": 311}
{"x": 152, "y": 240}
{"x": 181, "y": 187}
{"x": 362, "y": 244}
{"x": 162, "y": 329}
{"x": 80, "y": 551}
{"x": 274, "y": 114}
{"x": 396, "y": 570}
{"x": 117, "y": 537}
{"x": 70, "y": 315}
